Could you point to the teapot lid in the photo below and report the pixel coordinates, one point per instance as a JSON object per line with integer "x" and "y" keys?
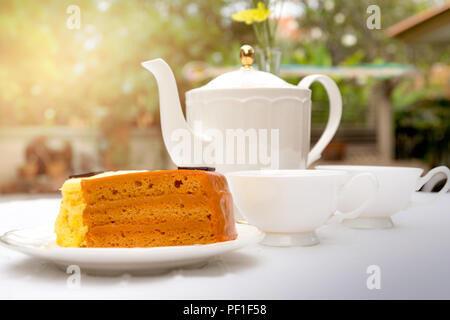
{"x": 246, "y": 76}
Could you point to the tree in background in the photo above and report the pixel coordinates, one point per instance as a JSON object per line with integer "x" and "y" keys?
{"x": 341, "y": 26}
{"x": 336, "y": 34}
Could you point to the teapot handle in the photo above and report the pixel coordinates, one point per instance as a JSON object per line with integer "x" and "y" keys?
{"x": 334, "y": 96}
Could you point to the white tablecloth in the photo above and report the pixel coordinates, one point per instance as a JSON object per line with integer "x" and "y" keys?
{"x": 413, "y": 259}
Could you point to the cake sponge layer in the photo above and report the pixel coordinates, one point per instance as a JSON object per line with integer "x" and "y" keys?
{"x": 143, "y": 208}
{"x": 69, "y": 226}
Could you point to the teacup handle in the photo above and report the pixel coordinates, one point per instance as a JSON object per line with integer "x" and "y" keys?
{"x": 338, "y": 217}
{"x": 334, "y": 96}
{"x": 425, "y": 179}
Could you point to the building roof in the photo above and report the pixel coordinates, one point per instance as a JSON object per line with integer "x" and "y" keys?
{"x": 432, "y": 26}
{"x": 198, "y": 71}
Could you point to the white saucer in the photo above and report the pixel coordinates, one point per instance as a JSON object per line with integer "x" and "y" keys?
{"x": 369, "y": 223}
{"x": 40, "y": 242}
{"x": 303, "y": 239}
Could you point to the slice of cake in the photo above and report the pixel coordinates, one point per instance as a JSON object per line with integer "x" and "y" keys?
{"x": 145, "y": 209}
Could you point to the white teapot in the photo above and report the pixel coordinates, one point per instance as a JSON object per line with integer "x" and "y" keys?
{"x": 243, "y": 120}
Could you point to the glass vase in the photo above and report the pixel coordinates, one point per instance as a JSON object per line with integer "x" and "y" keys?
{"x": 269, "y": 59}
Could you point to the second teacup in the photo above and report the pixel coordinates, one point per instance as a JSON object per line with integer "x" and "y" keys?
{"x": 289, "y": 205}
{"x": 396, "y": 187}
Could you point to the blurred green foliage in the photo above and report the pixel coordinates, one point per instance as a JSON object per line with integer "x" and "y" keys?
{"x": 50, "y": 74}
{"x": 53, "y": 75}
{"x": 338, "y": 36}
{"x": 331, "y": 23}
{"x": 422, "y": 124}
{"x": 340, "y": 26}
{"x": 423, "y": 131}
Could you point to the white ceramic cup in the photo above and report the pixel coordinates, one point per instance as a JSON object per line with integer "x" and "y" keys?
{"x": 289, "y": 205}
{"x": 397, "y": 185}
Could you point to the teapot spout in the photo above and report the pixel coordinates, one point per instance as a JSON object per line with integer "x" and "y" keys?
{"x": 173, "y": 123}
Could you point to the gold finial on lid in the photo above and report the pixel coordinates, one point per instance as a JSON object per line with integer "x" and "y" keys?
{"x": 247, "y": 55}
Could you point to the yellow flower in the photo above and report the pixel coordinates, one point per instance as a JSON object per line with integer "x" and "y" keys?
{"x": 250, "y": 16}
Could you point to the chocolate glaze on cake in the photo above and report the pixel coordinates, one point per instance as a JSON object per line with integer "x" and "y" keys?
{"x": 85, "y": 175}
{"x": 198, "y": 168}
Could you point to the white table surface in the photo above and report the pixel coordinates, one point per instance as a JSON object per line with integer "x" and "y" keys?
{"x": 414, "y": 260}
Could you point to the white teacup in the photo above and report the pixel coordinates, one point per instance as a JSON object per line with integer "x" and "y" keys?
{"x": 289, "y": 205}
{"x": 397, "y": 185}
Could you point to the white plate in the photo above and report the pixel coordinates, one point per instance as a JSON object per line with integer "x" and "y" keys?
{"x": 40, "y": 242}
